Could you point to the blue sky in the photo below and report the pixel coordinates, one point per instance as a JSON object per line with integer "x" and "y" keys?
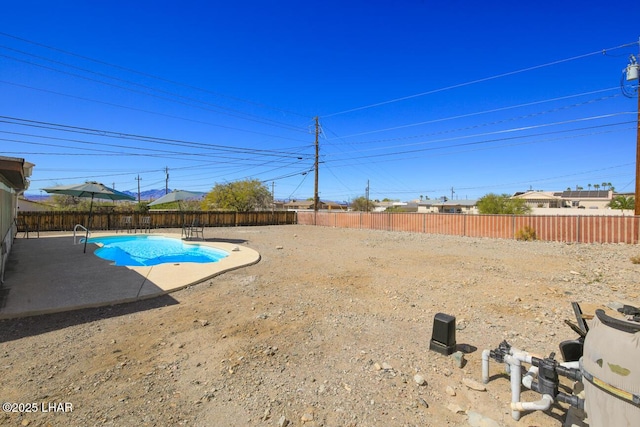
{"x": 414, "y": 98}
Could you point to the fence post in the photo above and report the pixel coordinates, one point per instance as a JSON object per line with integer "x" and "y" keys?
{"x": 464, "y": 225}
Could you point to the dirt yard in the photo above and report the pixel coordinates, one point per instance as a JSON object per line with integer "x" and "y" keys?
{"x": 331, "y": 328}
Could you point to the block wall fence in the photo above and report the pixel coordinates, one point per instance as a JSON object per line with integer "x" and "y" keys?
{"x": 554, "y": 228}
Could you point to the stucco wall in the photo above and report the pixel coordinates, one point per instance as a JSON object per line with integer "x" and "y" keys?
{"x": 7, "y": 210}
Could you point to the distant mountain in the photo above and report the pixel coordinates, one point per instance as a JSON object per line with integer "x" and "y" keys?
{"x": 148, "y": 195}
{"x": 145, "y": 196}
{"x": 37, "y": 197}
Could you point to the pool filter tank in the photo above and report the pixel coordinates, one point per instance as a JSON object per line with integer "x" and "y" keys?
{"x": 604, "y": 362}
{"x": 611, "y": 372}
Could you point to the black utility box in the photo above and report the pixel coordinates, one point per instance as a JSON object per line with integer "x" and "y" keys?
{"x": 443, "y": 339}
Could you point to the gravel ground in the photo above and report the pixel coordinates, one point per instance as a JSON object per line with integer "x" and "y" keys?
{"x": 331, "y": 328}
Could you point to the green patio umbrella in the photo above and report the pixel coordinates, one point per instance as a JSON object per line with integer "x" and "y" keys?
{"x": 177, "y": 196}
{"x": 93, "y": 189}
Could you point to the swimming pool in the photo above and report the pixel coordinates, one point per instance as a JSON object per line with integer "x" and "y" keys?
{"x": 143, "y": 250}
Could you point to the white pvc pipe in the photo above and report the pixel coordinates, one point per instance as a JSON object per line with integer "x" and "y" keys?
{"x": 516, "y": 373}
{"x": 541, "y": 405}
{"x": 485, "y": 366}
{"x": 522, "y": 356}
{"x": 513, "y": 366}
{"x": 529, "y": 376}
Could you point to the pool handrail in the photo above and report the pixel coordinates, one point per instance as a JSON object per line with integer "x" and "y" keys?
{"x": 75, "y": 229}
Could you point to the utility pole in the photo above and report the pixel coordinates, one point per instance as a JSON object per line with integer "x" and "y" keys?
{"x": 632, "y": 74}
{"x": 316, "y": 200}
{"x": 632, "y": 70}
{"x": 637, "y": 210}
{"x": 367, "y": 196}
{"x": 166, "y": 180}
{"x": 273, "y": 199}
{"x": 138, "y": 179}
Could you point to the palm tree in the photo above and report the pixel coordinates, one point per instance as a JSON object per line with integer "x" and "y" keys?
{"x": 622, "y": 202}
{"x": 589, "y": 185}
{"x": 596, "y": 186}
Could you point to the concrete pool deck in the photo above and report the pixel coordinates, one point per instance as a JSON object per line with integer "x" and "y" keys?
{"x": 51, "y": 274}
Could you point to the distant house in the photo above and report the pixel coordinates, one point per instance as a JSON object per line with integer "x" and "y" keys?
{"x": 566, "y": 199}
{"x": 395, "y": 206}
{"x": 541, "y": 203}
{"x": 586, "y": 199}
{"x": 384, "y": 205}
{"x": 464, "y": 206}
{"x": 540, "y": 199}
{"x": 14, "y": 174}
{"x": 297, "y": 205}
{"x": 306, "y": 205}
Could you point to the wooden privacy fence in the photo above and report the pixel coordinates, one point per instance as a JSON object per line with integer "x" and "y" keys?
{"x": 556, "y": 228}
{"x": 66, "y": 220}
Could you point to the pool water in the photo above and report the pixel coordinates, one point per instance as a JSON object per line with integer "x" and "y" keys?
{"x": 144, "y": 250}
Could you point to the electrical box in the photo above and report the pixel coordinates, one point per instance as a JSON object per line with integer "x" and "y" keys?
{"x": 443, "y": 339}
{"x": 632, "y": 72}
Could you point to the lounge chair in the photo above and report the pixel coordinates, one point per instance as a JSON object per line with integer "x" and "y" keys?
{"x": 24, "y": 228}
{"x": 145, "y": 224}
{"x": 126, "y": 223}
{"x": 194, "y": 230}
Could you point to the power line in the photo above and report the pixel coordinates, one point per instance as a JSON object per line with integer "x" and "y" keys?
{"x": 111, "y": 104}
{"x": 238, "y": 114}
{"x": 200, "y": 157}
{"x": 472, "y": 82}
{"x": 304, "y": 177}
{"x": 285, "y": 164}
{"x": 519, "y": 129}
{"x": 386, "y": 156}
{"x": 157, "y": 140}
{"x": 495, "y": 110}
{"x": 477, "y": 125}
{"x": 130, "y": 70}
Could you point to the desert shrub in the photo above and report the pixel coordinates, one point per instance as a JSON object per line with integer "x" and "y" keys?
{"x": 526, "y": 233}
{"x": 502, "y": 204}
{"x": 635, "y": 259}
